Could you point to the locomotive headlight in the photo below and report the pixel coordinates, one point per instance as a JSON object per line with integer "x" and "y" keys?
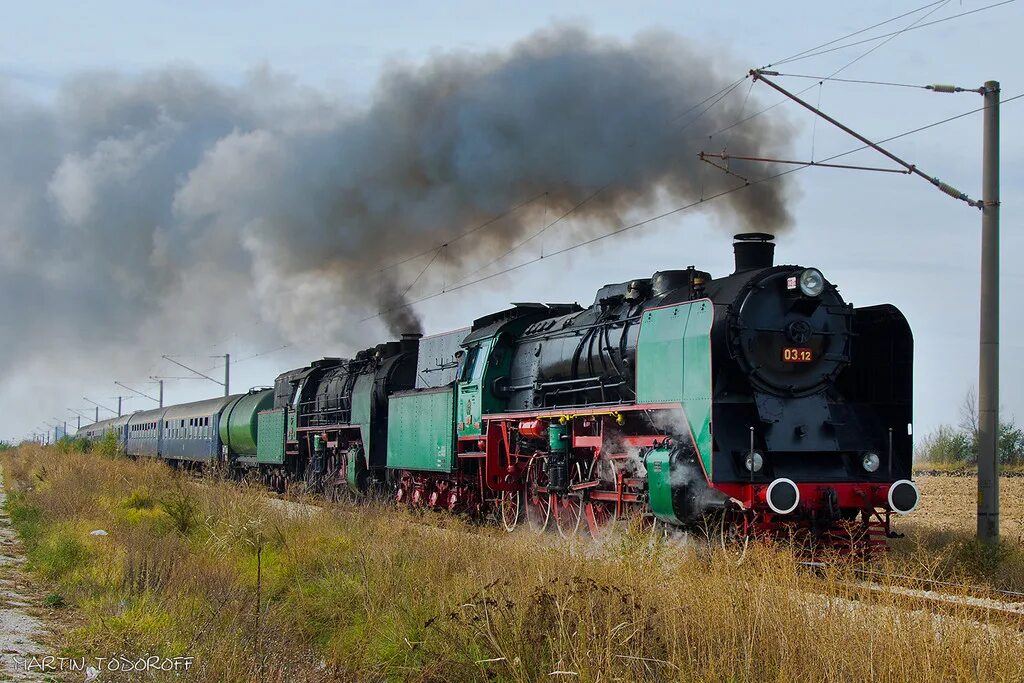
{"x": 754, "y": 462}
{"x": 812, "y": 282}
{"x": 870, "y": 462}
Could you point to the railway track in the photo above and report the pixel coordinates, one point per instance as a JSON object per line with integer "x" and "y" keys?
{"x": 943, "y": 599}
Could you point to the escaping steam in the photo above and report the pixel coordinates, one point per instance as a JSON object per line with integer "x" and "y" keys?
{"x": 169, "y": 207}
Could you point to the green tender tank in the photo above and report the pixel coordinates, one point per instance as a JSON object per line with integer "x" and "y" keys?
{"x": 238, "y": 421}
{"x": 421, "y": 430}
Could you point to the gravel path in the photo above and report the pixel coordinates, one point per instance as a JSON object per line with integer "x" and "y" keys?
{"x": 21, "y": 633}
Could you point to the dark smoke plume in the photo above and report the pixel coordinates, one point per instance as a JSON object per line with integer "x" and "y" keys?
{"x": 398, "y": 316}
{"x": 169, "y": 208}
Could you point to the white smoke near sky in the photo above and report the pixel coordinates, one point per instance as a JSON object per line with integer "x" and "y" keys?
{"x": 165, "y": 210}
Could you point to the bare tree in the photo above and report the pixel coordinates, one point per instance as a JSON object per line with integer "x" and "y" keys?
{"x": 969, "y": 414}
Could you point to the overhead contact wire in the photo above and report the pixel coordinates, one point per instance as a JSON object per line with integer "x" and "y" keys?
{"x": 714, "y": 99}
{"x": 885, "y": 35}
{"x": 718, "y": 96}
{"x": 467, "y": 233}
{"x": 793, "y": 57}
{"x": 680, "y": 209}
{"x": 935, "y": 5}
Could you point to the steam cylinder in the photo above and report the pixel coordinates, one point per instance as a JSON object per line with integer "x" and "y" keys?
{"x": 558, "y": 458}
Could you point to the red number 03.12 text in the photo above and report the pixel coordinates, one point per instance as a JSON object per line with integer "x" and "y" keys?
{"x": 794, "y": 354}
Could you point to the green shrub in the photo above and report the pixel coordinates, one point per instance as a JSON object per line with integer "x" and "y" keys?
{"x": 26, "y": 518}
{"x": 950, "y": 445}
{"x": 59, "y": 554}
{"x": 181, "y": 508}
{"x": 108, "y": 446}
{"x": 73, "y": 444}
{"x": 54, "y": 600}
{"x": 140, "y": 499}
{"x": 946, "y": 445}
{"x": 959, "y": 445}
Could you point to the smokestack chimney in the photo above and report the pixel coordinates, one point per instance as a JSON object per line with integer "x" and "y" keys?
{"x": 411, "y": 341}
{"x": 753, "y": 250}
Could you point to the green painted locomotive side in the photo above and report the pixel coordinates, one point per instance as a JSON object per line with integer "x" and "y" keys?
{"x": 361, "y": 403}
{"x": 421, "y": 430}
{"x": 239, "y": 422}
{"x": 659, "y": 484}
{"x": 291, "y": 430}
{"x": 270, "y": 442}
{"x": 471, "y": 390}
{"x": 674, "y": 365}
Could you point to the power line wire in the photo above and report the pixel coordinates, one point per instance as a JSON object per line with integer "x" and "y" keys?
{"x": 930, "y": 125}
{"x": 467, "y": 233}
{"x": 256, "y": 355}
{"x": 413, "y": 284}
{"x": 715, "y": 98}
{"x": 793, "y": 57}
{"x": 756, "y": 114}
{"x": 538, "y": 233}
{"x": 720, "y": 95}
{"x": 853, "y": 80}
{"x": 676, "y": 210}
{"x": 891, "y": 36}
{"x": 885, "y": 35}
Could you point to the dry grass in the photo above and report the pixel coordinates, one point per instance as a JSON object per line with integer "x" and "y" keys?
{"x": 364, "y": 593}
{"x": 940, "y": 540}
{"x": 951, "y": 503}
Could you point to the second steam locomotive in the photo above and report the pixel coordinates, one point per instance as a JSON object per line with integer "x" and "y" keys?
{"x": 760, "y": 398}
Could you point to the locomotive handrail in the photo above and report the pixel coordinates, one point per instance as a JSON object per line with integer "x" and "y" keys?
{"x": 568, "y": 331}
{"x": 593, "y": 380}
{"x": 315, "y": 413}
{"x": 820, "y": 333}
{"x": 580, "y": 390}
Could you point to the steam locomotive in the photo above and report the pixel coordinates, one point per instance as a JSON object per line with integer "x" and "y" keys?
{"x": 760, "y": 399}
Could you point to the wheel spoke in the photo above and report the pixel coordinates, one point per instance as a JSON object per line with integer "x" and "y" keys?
{"x": 569, "y": 506}
{"x": 600, "y": 515}
{"x": 509, "y": 509}
{"x": 538, "y": 505}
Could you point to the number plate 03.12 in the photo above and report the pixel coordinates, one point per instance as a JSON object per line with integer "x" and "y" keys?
{"x": 797, "y": 354}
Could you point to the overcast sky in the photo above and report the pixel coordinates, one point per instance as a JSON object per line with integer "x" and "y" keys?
{"x": 880, "y": 237}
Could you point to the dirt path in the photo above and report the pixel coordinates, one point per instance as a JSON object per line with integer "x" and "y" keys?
{"x": 21, "y": 634}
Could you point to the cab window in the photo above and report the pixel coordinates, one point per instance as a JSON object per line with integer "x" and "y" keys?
{"x": 470, "y": 365}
